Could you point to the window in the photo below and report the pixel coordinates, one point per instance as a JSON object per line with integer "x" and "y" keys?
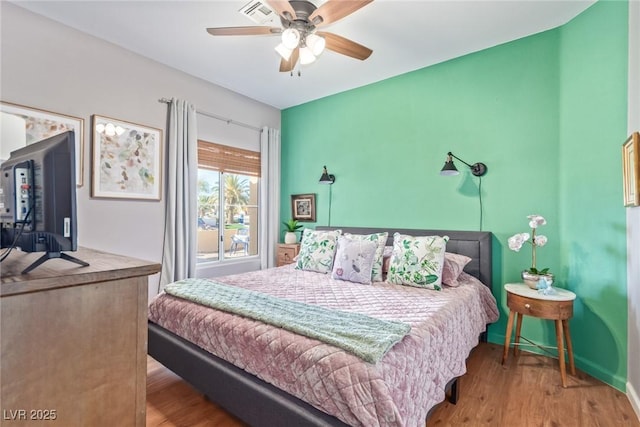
{"x": 228, "y": 220}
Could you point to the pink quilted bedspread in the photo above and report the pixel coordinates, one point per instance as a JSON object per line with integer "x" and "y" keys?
{"x": 397, "y": 391}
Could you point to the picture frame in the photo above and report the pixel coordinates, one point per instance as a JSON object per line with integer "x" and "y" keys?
{"x": 126, "y": 159}
{"x": 631, "y": 170}
{"x": 41, "y": 124}
{"x": 303, "y": 207}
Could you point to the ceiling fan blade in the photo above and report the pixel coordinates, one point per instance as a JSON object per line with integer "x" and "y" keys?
{"x": 333, "y": 10}
{"x": 244, "y": 31}
{"x": 283, "y": 8}
{"x": 291, "y": 63}
{"x": 345, "y": 46}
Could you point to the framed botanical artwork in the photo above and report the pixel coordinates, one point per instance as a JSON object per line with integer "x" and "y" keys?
{"x": 126, "y": 159}
{"x": 303, "y": 207}
{"x": 631, "y": 170}
{"x": 25, "y": 125}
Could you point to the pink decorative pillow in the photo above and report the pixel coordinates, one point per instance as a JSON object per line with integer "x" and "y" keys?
{"x": 453, "y": 266}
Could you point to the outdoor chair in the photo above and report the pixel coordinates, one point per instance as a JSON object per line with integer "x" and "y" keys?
{"x": 240, "y": 240}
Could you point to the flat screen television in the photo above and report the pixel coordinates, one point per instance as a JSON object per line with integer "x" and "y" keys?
{"x": 38, "y": 200}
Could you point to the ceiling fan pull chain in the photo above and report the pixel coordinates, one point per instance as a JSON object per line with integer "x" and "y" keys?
{"x": 299, "y": 72}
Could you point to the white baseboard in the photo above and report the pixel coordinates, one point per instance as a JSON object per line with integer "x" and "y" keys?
{"x": 634, "y": 398}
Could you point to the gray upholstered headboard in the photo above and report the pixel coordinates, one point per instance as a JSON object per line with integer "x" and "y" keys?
{"x": 474, "y": 244}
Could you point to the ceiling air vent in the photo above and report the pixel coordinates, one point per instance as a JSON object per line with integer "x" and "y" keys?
{"x": 258, "y": 12}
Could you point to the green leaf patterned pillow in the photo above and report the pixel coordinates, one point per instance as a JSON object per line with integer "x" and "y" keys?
{"x": 417, "y": 261}
{"x": 381, "y": 240}
{"x": 317, "y": 249}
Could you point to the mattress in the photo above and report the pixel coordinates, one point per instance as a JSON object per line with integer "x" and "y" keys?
{"x": 397, "y": 391}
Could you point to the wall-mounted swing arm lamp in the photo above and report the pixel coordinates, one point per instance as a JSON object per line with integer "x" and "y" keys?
{"x": 449, "y": 168}
{"x": 327, "y": 178}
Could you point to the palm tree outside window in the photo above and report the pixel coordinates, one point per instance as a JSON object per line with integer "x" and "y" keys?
{"x": 228, "y": 214}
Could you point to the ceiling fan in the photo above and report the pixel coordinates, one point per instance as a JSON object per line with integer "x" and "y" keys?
{"x": 300, "y": 39}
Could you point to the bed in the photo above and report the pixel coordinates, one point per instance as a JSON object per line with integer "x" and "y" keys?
{"x": 255, "y": 394}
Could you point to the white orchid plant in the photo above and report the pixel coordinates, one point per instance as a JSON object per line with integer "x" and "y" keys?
{"x": 518, "y": 240}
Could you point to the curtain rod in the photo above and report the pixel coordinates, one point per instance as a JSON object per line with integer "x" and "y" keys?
{"x": 215, "y": 116}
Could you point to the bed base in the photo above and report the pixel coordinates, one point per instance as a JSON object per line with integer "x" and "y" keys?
{"x": 250, "y": 399}
{"x": 244, "y": 395}
{"x": 258, "y": 403}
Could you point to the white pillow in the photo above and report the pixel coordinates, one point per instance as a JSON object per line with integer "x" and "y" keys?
{"x": 354, "y": 260}
{"x": 317, "y": 249}
{"x": 380, "y": 239}
{"x": 417, "y": 261}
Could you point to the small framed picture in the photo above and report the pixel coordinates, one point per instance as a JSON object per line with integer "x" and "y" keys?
{"x": 631, "y": 170}
{"x": 25, "y": 125}
{"x": 303, "y": 207}
{"x": 127, "y": 160}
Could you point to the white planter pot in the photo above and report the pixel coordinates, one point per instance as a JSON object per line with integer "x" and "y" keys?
{"x": 290, "y": 237}
{"x": 531, "y": 280}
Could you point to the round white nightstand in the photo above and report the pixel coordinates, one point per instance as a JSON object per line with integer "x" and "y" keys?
{"x": 524, "y": 301}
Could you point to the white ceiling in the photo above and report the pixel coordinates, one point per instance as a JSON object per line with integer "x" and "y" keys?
{"x": 404, "y": 36}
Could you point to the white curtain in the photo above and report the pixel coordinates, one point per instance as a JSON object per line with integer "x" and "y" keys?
{"x": 179, "y": 248}
{"x": 269, "y": 196}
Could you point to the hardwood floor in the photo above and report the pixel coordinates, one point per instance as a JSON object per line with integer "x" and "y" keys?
{"x": 173, "y": 402}
{"x": 525, "y": 392}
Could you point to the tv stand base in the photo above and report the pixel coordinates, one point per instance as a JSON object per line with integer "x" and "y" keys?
{"x": 51, "y": 255}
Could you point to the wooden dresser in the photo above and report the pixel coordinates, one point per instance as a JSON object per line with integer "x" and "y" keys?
{"x": 73, "y": 340}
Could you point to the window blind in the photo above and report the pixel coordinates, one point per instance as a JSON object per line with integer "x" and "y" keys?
{"x": 227, "y": 159}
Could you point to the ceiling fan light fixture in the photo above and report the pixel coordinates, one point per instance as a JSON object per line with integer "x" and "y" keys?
{"x": 306, "y": 56}
{"x": 284, "y": 52}
{"x": 290, "y": 38}
{"x": 316, "y": 44}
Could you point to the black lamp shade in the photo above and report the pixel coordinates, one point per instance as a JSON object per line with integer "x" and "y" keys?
{"x": 449, "y": 168}
{"x": 326, "y": 178}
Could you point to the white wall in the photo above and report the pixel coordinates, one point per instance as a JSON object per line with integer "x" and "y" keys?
{"x": 633, "y": 218}
{"x": 12, "y": 135}
{"x": 53, "y": 67}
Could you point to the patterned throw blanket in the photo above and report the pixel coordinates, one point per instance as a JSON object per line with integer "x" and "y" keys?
{"x": 366, "y": 337}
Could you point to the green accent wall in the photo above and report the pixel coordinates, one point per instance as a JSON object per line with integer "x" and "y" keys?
{"x": 546, "y": 114}
{"x": 593, "y": 126}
